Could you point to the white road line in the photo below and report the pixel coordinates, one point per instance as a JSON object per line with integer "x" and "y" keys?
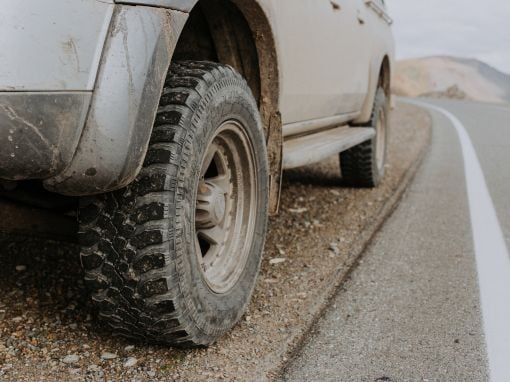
{"x": 493, "y": 262}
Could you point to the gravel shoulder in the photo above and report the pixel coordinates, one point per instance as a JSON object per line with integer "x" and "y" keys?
{"x": 48, "y": 331}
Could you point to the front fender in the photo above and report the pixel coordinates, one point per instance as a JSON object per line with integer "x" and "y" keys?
{"x": 133, "y": 68}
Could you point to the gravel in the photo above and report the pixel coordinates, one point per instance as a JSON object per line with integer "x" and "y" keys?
{"x": 107, "y": 355}
{"x": 46, "y": 318}
{"x": 71, "y": 358}
{"x": 130, "y": 362}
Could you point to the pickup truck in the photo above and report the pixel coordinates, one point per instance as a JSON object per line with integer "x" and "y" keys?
{"x": 171, "y": 122}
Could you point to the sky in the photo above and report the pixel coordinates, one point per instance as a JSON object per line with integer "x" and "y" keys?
{"x": 465, "y": 28}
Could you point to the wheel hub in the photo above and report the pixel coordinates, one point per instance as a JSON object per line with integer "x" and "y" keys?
{"x": 211, "y": 205}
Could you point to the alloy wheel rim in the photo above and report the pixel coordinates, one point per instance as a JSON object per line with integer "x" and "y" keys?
{"x": 226, "y": 202}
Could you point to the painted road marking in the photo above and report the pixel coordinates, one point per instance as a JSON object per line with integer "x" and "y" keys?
{"x": 492, "y": 260}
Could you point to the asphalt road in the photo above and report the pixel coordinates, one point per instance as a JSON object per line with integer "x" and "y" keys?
{"x": 429, "y": 301}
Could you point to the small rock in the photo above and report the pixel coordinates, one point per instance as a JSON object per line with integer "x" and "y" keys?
{"x": 2, "y": 314}
{"x": 17, "y": 319}
{"x": 277, "y": 260}
{"x": 71, "y": 358}
{"x": 333, "y": 247}
{"x": 106, "y": 355}
{"x": 21, "y": 268}
{"x": 298, "y": 210}
{"x": 93, "y": 368}
{"x": 129, "y": 348}
{"x": 130, "y": 362}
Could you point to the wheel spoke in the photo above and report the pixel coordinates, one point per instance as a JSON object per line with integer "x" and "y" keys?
{"x": 221, "y": 181}
{"x": 213, "y": 236}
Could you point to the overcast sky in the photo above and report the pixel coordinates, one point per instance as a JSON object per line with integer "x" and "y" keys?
{"x": 466, "y": 28}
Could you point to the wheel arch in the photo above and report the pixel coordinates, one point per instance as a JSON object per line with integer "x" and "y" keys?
{"x": 115, "y": 140}
{"x": 385, "y": 76}
{"x": 380, "y": 75}
{"x": 239, "y": 33}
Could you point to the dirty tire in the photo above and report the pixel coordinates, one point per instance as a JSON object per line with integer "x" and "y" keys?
{"x": 139, "y": 247}
{"x": 363, "y": 165}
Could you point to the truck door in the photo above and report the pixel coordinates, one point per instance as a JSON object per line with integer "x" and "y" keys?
{"x": 323, "y": 55}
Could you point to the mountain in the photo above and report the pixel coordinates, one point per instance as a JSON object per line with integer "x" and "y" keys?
{"x": 451, "y": 77}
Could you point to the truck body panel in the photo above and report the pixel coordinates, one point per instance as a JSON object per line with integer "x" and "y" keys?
{"x": 50, "y": 45}
{"x": 105, "y": 72}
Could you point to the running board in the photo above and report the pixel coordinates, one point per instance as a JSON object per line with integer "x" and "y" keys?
{"x": 313, "y": 148}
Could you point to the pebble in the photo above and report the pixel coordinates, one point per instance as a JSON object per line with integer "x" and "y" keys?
{"x": 277, "y": 260}
{"x": 333, "y": 247}
{"x": 107, "y": 355}
{"x": 129, "y": 348}
{"x": 71, "y": 358}
{"x": 130, "y": 362}
{"x": 21, "y": 268}
{"x": 298, "y": 210}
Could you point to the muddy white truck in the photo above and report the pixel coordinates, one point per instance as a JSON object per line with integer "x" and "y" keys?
{"x": 171, "y": 122}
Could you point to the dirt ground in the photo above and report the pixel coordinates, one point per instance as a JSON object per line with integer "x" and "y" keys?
{"x": 48, "y": 330}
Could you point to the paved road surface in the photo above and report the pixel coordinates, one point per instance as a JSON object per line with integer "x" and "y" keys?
{"x": 412, "y": 310}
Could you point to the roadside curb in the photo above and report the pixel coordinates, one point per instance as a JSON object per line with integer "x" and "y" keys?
{"x": 340, "y": 275}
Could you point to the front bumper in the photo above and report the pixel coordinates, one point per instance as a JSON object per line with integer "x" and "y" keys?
{"x": 39, "y": 132}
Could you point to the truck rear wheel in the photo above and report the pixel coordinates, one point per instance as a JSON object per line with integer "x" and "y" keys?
{"x": 173, "y": 258}
{"x": 363, "y": 165}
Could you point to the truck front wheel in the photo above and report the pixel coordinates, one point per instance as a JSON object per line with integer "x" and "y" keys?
{"x": 173, "y": 258}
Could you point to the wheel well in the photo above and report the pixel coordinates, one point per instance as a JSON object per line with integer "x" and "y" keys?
{"x": 236, "y": 33}
{"x": 385, "y": 76}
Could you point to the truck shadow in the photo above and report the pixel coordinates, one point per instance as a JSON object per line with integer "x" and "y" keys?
{"x": 325, "y": 174}
{"x": 41, "y": 280}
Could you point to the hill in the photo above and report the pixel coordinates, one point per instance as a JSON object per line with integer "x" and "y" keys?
{"x": 451, "y": 77}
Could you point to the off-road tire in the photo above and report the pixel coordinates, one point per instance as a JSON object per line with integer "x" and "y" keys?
{"x": 137, "y": 243}
{"x": 359, "y": 165}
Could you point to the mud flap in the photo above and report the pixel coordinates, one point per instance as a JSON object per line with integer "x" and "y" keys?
{"x": 275, "y": 159}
